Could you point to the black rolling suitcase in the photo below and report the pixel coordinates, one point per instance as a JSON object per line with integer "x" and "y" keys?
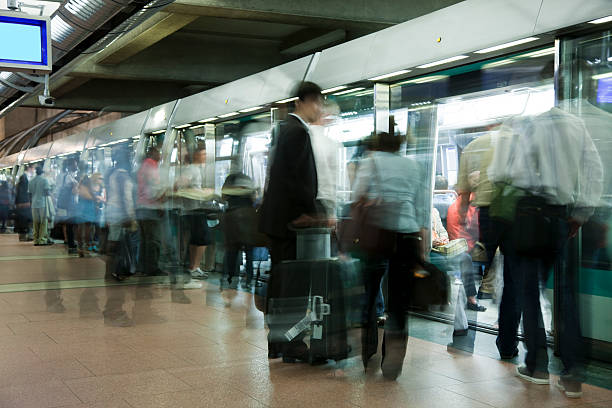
{"x": 311, "y": 302}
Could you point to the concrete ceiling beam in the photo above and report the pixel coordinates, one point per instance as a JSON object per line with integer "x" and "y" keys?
{"x": 150, "y": 32}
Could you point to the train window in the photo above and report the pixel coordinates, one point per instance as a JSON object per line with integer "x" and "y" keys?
{"x": 442, "y": 113}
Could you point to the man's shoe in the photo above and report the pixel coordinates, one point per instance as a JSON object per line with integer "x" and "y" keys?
{"x": 509, "y": 356}
{"x": 459, "y": 333}
{"x": 571, "y": 387}
{"x": 484, "y": 295}
{"x": 536, "y": 377}
{"x": 475, "y": 307}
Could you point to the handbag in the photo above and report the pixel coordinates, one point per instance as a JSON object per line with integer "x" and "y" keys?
{"x": 537, "y": 227}
{"x": 241, "y": 226}
{"x": 429, "y": 286}
{"x": 454, "y": 247}
{"x": 479, "y": 252}
{"x": 361, "y": 232}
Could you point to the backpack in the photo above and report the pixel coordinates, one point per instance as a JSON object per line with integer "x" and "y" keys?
{"x": 65, "y": 198}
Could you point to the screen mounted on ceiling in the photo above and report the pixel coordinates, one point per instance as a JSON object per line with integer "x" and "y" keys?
{"x": 24, "y": 43}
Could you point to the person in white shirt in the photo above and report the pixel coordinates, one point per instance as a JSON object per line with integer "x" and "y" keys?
{"x": 551, "y": 162}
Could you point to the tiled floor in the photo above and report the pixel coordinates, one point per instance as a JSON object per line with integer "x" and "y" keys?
{"x": 209, "y": 353}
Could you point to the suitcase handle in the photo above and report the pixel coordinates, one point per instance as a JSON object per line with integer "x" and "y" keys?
{"x": 324, "y": 308}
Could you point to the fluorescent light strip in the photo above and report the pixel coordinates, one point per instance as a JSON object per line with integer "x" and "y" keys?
{"x": 609, "y": 58}
{"x": 367, "y": 92}
{"x": 334, "y": 89}
{"x": 197, "y": 127}
{"x": 539, "y": 53}
{"x": 158, "y": 132}
{"x": 602, "y": 76}
{"x": 348, "y": 91}
{"x": 507, "y": 45}
{"x": 254, "y": 108}
{"x": 295, "y": 98}
{"x": 498, "y": 63}
{"x": 425, "y": 79}
{"x": 227, "y": 115}
{"x": 391, "y": 75}
{"x": 601, "y": 20}
{"x": 444, "y": 61}
{"x": 208, "y": 120}
{"x": 183, "y": 126}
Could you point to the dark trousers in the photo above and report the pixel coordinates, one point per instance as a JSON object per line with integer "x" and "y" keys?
{"x": 399, "y": 276}
{"x": 150, "y": 231}
{"x": 231, "y": 260}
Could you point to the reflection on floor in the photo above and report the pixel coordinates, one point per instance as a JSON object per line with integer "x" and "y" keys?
{"x": 211, "y": 352}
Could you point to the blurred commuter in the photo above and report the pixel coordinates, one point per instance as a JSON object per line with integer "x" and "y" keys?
{"x": 90, "y": 197}
{"x": 5, "y": 204}
{"x": 40, "y": 189}
{"x": 387, "y": 177}
{"x": 239, "y": 224}
{"x": 149, "y": 214}
{"x": 325, "y": 151}
{"x": 121, "y": 218}
{"x": 67, "y": 194}
{"x": 291, "y": 196}
{"x": 194, "y": 225}
{"x": 550, "y": 175}
{"x": 476, "y": 190}
{"x": 23, "y": 207}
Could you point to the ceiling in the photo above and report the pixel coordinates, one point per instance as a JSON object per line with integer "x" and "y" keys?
{"x": 192, "y": 45}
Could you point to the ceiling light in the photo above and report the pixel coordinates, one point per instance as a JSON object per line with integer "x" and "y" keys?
{"x": 601, "y": 20}
{"x": 426, "y": 79}
{"x": 602, "y": 76}
{"x": 183, "y": 126}
{"x": 334, "y": 89}
{"x": 227, "y": 115}
{"x": 539, "y": 53}
{"x": 391, "y": 75}
{"x": 444, "y": 61}
{"x": 197, "y": 127}
{"x": 208, "y": 120}
{"x": 498, "y": 63}
{"x": 348, "y": 91}
{"x": 609, "y": 58}
{"x": 506, "y": 45}
{"x": 158, "y": 132}
{"x": 254, "y": 108}
{"x": 295, "y": 98}
{"x": 366, "y": 92}
{"x": 117, "y": 141}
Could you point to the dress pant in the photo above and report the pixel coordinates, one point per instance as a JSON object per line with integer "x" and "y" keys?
{"x": 399, "y": 277}
{"x": 150, "y": 231}
{"x": 39, "y": 222}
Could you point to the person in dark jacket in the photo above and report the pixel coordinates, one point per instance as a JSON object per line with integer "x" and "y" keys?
{"x": 5, "y": 204}
{"x": 23, "y": 222}
{"x": 290, "y": 198}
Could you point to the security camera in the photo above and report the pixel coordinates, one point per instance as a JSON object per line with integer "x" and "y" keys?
{"x": 46, "y": 100}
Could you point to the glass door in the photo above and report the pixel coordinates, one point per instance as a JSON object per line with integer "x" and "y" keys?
{"x": 585, "y": 90}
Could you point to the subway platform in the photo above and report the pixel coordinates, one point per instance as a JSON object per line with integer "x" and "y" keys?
{"x": 56, "y": 351}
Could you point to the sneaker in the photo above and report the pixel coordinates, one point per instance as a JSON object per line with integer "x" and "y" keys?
{"x": 197, "y": 273}
{"x": 509, "y": 356}
{"x": 571, "y": 387}
{"x": 192, "y": 285}
{"x": 536, "y": 377}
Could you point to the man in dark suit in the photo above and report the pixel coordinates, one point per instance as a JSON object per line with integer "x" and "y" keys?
{"x": 290, "y": 198}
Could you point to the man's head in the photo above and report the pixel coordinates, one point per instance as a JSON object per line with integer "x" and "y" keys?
{"x": 71, "y": 164}
{"x": 39, "y": 170}
{"x": 441, "y": 183}
{"x": 309, "y": 104}
{"x": 154, "y": 154}
{"x": 29, "y": 169}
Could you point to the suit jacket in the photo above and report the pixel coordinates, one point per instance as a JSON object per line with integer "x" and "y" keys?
{"x": 292, "y": 184}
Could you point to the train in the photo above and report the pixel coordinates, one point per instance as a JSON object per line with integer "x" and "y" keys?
{"x": 446, "y": 78}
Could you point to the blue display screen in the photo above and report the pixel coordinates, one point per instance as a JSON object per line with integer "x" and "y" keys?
{"x": 24, "y": 41}
{"x": 604, "y": 90}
